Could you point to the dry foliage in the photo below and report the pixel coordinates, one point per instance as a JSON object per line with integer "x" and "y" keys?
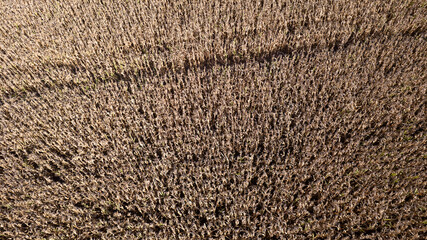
{"x": 213, "y": 119}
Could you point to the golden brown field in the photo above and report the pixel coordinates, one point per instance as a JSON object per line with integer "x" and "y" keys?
{"x": 239, "y": 119}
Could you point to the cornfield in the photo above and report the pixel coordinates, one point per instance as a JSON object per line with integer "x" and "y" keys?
{"x": 240, "y": 119}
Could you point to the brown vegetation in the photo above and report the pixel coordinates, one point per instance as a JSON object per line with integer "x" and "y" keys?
{"x": 213, "y": 119}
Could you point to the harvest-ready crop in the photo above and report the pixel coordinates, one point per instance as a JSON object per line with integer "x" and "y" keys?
{"x": 239, "y": 119}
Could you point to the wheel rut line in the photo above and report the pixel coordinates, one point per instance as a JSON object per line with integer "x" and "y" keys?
{"x": 206, "y": 64}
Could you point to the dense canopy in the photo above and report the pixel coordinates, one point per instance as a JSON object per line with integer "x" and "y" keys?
{"x": 242, "y": 119}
